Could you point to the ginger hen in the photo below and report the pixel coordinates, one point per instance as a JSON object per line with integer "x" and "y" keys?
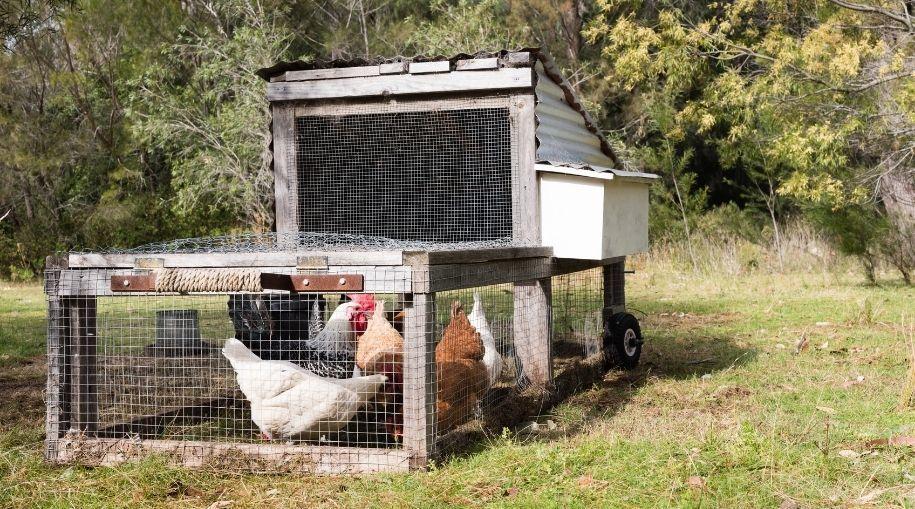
{"x": 462, "y": 375}
{"x": 380, "y": 351}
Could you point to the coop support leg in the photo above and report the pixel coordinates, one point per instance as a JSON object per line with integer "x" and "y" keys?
{"x": 532, "y": 326}
{"x": 57, "y": 414}
{"x": 83, "y": 368}
{"x": 614, "y": 288}
{"x": 419, "y": 379}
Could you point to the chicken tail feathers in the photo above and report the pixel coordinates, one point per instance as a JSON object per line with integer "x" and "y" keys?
{"x": 236, "y": 351}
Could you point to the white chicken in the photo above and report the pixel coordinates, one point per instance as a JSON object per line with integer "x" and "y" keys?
{"x": 491, "y": 357}
{"x": 288, "y": 401}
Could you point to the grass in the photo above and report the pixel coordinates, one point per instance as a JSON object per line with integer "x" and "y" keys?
{"x": 721, "y": 412}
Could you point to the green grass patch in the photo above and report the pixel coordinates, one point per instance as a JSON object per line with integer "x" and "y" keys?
{"x": 722, "y": 412}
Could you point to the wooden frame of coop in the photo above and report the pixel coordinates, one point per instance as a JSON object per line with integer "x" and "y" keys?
{"x": 74, "y": 284}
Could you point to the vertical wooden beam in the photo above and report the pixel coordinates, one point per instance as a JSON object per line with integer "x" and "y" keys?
{"x": 614, "y": 288}
{"x": 420, "y": 387}
{"x": 285, "y": 180}
{"x": 83, "y": 367}
{"x": 525, "y": 188}
{"x": 532, "y": 328}
{"x": 57, "y": 408}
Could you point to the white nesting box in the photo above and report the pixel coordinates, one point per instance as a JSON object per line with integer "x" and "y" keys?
{"x": 592, "y": 215}
{"x": 486, "y": 147}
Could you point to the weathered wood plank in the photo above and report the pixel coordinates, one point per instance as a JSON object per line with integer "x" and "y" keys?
{"x": 402, "y": 105}
{"x": 401, "y": 84}
{"x": 477, "y": 64}
{"x": 416, "y": 258}
{"x": 284, "y": 174}
{"x": 430, "y": 67}
{"x": 568, "y": 265}
{"x": 532, "y": 329}
{"x": 57, "y": 415}
{"x": 215, "y": 260}
{"x": 377, "y": 279}
{"x": 393, "y": 68}
{"x": 526, "y": 213}
{"x": 614, "y": 276}
{"x": 334, "y": 73}
{"x": 84, "y": 370}
{"x": 266, "y": 458}
{"x": 419, "y": 380}
{"x": 439, "y": 278}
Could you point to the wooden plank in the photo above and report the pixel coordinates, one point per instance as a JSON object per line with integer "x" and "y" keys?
{"x": 133, "y": 283}
{"x": 477, "y": 64}
{"x": 216, "y": 260}
{"x": 430, "y": 67}
{"x": 501, "y": 79}
{"x": 568, "y": 265}
{"x": 401, "y": 105}
{"x": 526, "y": 213}
{"x": 377, "y": 279}
{"x": 393, "y": 68}
{"x": 333, "y": 73}
{"x": 56, "y": 416}
{"x": 284, "y": 174}
{"x": 419, "y": 380}
{"x": 265, "y": 458}
{"x": 437, "y": 278}
{"x": 531, "y": 323}
{"x": 419, "y": 258}
{"x": 84, "y": 371}
{"x": 312, "y": 282}
{"x": 614, "y": 276}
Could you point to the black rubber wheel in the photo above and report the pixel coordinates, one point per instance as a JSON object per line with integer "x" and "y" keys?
{"x": 622, "y": 341}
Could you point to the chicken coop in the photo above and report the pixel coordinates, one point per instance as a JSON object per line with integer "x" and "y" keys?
{"x": 450, "y": 234}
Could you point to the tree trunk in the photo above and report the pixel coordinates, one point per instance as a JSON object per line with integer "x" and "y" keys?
{"x": 897, "y": 190}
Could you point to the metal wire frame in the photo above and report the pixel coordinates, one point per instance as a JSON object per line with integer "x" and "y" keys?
{"x": 426, "y": 170}
{"x": 147, "y": 368}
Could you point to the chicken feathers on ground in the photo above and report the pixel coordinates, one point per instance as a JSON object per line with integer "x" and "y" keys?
{"x": 462, "y": 375}
{"x": 288, "y": 401}
{"x": 491, "y": 358}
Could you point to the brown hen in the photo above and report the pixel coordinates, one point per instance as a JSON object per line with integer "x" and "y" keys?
{"x": 462, "y": 374}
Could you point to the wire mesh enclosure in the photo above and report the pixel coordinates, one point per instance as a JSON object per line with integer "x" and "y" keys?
{"x": 426, "y": 171}
{"x": 330, "y": 362}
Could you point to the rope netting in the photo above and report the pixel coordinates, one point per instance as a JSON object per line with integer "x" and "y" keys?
{"x": 302, "y": 241}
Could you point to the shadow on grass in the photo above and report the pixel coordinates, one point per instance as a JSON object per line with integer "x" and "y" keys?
{"x": 585, "y": 384}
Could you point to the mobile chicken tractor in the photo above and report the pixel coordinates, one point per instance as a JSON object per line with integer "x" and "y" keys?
{"x": 450, "y": 240}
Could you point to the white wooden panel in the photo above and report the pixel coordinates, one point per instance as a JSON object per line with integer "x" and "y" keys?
{"x": 590, "y": 218}
{"x": 401, "y": 84}
{"x": 625, "y": 218}
{"x": 393, "y": 68}
{"x": 572, "y": 215}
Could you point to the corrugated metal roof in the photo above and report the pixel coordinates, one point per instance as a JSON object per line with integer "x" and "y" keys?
{"x": 565, "y": 130}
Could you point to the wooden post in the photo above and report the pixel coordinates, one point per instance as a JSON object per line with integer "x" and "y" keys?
{"x": 532, "y": 328}
{"x": 420, "y": 388}
{"x": 614, "y": 288}
{"x": 83, "y": 368}
{"x": 284, "y": 171}
{"x": 57, "y": 414}
{"x": 526, "y": 188}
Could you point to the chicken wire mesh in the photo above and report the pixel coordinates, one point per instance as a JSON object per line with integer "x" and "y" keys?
{"x": 278, "y": 373}
{"x": 433, "y": 171}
